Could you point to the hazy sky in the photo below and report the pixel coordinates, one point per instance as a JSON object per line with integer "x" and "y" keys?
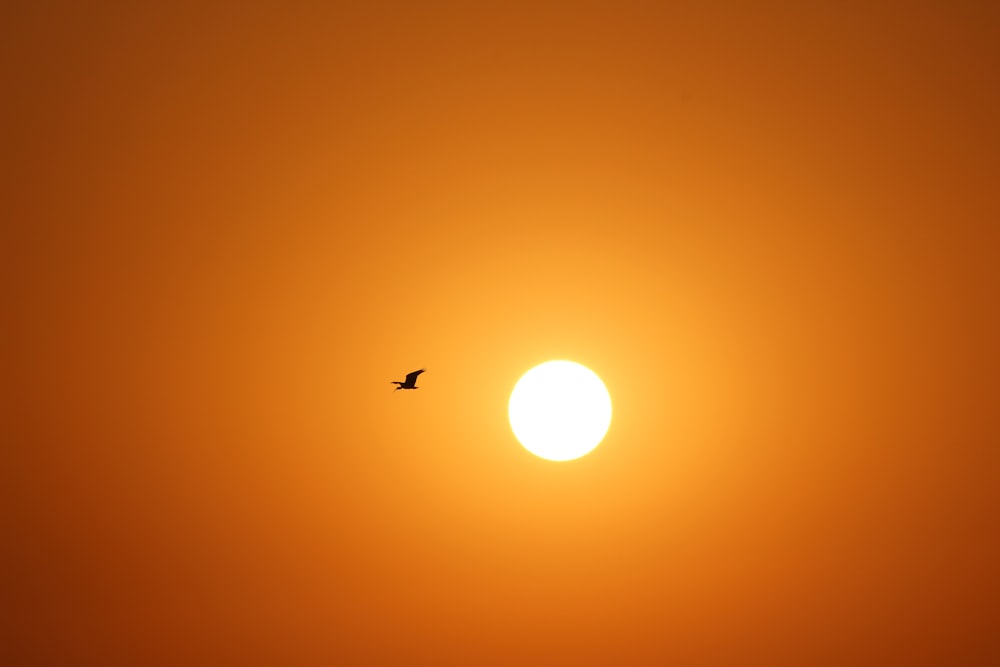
{"x": 771, "y": 228}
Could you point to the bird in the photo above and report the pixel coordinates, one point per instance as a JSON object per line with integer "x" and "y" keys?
{"x": 411, "y": 381}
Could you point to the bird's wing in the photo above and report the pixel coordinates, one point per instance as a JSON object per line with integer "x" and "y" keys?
{"x": 411, "y": 378}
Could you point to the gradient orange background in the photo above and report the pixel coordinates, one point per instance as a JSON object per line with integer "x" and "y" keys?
{"x": 769, "y": 227}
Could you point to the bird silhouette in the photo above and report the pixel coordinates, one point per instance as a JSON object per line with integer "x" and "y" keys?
{"x": 411, "y": 381}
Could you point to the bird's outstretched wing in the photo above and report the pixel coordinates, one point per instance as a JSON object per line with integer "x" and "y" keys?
{"x": 411, "y": 378}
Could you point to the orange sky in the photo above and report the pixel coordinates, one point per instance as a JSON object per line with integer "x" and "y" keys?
{"x": 769, "y": 227}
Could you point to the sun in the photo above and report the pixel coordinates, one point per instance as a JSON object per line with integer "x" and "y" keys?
{"x": 560, "y": 410}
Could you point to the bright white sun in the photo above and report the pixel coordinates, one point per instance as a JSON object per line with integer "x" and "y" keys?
{"x": 560, "y": 410}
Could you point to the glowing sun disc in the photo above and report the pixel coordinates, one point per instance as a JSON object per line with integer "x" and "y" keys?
{"x": 559, "y": 410}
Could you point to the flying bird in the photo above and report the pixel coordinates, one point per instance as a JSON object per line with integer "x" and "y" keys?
{"x": 411, "y": 381}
